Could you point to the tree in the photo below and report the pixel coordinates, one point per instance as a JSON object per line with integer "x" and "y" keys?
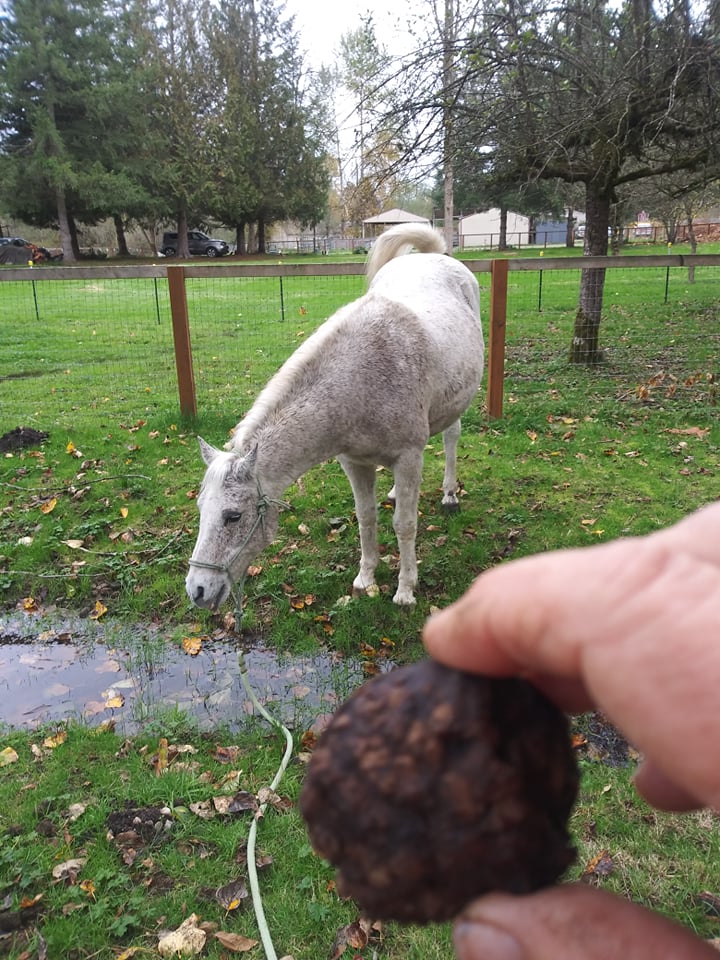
{"x": 182, "y": 107}
{"x": 370, "y": 180}
{"x": 267, "y": 150}
{"x": 585, "y": 91}
{"x": 61, "y": 92}
{"x": 601, "y": 95}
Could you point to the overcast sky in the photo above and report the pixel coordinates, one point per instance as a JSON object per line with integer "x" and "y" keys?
{"x": 321, "y": 23}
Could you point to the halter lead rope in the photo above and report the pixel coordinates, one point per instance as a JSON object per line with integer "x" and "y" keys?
{"x": 262, "y": 505}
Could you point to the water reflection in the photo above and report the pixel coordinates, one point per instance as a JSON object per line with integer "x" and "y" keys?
{"x": 53, "y": 670}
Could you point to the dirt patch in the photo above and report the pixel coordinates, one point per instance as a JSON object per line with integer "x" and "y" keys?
{"x": 20, "y": 438}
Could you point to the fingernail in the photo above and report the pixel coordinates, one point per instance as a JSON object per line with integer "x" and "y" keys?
{"x": 477, "y": 941}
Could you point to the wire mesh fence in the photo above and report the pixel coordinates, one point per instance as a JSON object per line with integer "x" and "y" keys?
{"x": 101, "y": 339}
{"x": 659, "y": 335}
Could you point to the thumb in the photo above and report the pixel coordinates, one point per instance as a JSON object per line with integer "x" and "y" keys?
{"x": 574, "y": 922}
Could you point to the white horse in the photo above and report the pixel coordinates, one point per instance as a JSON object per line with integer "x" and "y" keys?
{"x": 370, "y": 386}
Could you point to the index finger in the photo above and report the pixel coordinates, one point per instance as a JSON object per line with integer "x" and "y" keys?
{"x": 632, "y": 627}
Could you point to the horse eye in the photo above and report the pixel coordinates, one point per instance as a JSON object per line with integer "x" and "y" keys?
{"x": 231, "y": 518}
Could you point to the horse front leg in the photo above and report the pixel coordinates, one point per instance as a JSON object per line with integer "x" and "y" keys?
{"x": 450, "y": 438}
{"x": 362, "y": 481}
{"x": 408, "y": 476}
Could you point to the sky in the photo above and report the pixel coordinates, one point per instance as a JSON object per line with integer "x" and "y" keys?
{"x": 321, "y": 23}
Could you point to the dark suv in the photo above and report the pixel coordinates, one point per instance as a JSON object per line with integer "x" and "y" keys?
{"x": 199, "y": 243}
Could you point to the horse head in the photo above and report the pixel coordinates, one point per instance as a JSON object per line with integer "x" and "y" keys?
{"x": 237, "y": 521}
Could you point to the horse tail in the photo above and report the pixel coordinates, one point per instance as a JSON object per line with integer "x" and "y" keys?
{"x": 401, "y": 239}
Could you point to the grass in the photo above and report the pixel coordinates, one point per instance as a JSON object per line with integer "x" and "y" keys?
{"x": 67, "y": 787}
{"x": 102, "y": 517}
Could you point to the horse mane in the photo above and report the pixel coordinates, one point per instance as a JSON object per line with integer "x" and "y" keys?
{"x": 296, "y": 369}
{"x": 401, "y": 239}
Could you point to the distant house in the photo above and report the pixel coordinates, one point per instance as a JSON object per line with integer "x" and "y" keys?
{"x": 379, "y": 222}
{"x": 483, "y": 229}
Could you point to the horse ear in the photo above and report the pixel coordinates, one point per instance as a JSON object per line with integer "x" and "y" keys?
{"x": 244, "y": 467}
{"x": 207, "y": 452}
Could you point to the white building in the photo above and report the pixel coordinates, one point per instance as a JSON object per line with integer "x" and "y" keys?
{"x": 483, "y": 229}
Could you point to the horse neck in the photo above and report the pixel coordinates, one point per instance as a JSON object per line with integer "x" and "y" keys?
{"x": 290, "y": 445}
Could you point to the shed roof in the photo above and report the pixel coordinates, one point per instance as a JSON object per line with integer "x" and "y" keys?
{"x": 396, "y": 216}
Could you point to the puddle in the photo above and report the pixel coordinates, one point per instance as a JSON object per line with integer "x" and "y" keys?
{"x": 54, "y": 669}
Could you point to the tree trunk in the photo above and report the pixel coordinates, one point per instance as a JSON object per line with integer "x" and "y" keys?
{"x": 570, "y": 228}
{"x": 586, "y": 335}
{"x": 448, "y": 171}
{"x": 120, "y": 234}
{"x": 66, "y": 242}
{"x": 261, "y": 235}
{"x": 74, "y": 240}
{"x": 183, "y": 249}
{"x": 502, "y": 241}
{"x": 240, "y": 247}
{"x": 693, "y": 243}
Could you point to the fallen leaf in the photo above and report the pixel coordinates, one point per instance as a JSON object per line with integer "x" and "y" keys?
{"x": 68, "y": 869}
{"x": 226, "y": 754}
{"x": 600, "y": 866}
{"x": 88, "y": 887}
{"x": 187, "y": 941}
{"x": 355, "y": 935}
{"x": 161, "y": 761}
{"x": 99, "y": 610}
{"x": 8, "y": 756}
{"x": 231, "y": 896}
{"x": 240, "y": 802}
{"x": 124, "y": 512}
{"x": 73, "y": 544}
{"x": 203, "y": 808}
{"x": 52, "y": 742}
{"x": 192, "y": 645}
{"x": 76, "y": 810}
{"x": 235, "y": 942}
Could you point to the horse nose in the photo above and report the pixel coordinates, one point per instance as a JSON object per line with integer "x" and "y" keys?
{"x": 199, "y": 594}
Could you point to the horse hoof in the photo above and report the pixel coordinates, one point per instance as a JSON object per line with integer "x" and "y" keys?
{"x": 450, "y": 506}
{"x": 371, "y": 590}
{"x": 404, "y": 599}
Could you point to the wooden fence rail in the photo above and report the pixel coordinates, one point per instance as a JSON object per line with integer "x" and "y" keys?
{"x": 499, "y": 270}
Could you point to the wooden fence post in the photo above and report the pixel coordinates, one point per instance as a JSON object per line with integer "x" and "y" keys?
{"x": 496, "y": 345}
{"x": 181, "y": 336}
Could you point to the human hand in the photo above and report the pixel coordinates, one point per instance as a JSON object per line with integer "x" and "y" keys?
{"x": 630, "y": 628}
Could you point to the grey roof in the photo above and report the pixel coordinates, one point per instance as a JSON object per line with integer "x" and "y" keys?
{"x": 396, "y": 216}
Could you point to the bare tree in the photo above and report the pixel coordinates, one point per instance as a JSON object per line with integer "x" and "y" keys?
{"x": 604, "y": 96}
{"x": 584, "y": 91}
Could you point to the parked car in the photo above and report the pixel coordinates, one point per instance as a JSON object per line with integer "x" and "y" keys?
{"x": 200, "y": 245}
{"x": 23, "y": 250}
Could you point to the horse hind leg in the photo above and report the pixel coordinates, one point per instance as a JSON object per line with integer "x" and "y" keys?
{"x": 362, "y": 481}
{"x": 408, "y": 474}
{"x": 451, "y": 435}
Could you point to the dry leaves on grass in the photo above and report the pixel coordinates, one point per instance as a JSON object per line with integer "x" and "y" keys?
{"x": 187, "y": 941}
